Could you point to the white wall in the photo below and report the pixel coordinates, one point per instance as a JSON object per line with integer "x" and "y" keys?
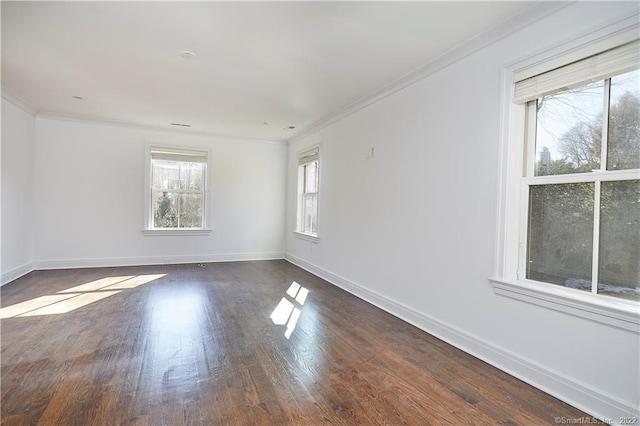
{"x": 413, "y": 229}
{"x": 17, "y": 191}
{"x": 89, "y": 185}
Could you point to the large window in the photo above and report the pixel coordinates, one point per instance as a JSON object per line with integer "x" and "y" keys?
{"x": 308, "y": 189}
{"x": 570, "y": 193}
{"x": 584, "y": 187}
{"x": 178, "y": 188}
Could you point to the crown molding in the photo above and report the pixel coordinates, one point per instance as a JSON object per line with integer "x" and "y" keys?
{"x": 19, "y": 102}
{"x": 457, "y": 53}
{"x": 151, "y": 127}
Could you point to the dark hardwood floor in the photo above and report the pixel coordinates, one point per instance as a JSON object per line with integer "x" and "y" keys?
{"x": 218, "y": 344}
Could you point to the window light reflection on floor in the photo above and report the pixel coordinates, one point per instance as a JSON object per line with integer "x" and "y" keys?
{"x": 287, "y": 312}
{"x": 75, "y": 297}
{"x": 281, "y": 313}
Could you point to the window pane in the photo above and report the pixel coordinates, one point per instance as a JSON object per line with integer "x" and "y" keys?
{"x": 311, "y": 177}
{"x": 624, "y": 122}
{"x": 310, "y": 213}
{"x": 191, "y": 175}
{"x": 165, "y": 174}
{"x": 190, "y": 210}
{"x": 619, "y": 265}
{"x": 569, "y": 130}
{"x": 165, "y": 210}
{"x": 560, "y": 240}
{"x": 314, "y": 215}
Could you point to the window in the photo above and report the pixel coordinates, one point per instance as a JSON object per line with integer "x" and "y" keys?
{"x": 583, "y": 183}
{"x": 308, "y": 188}
{"x": 177, "y": 189}
{"x": 570, "y": 229}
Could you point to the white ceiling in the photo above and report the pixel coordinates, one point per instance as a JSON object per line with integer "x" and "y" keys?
{"x": 281, "y": 63}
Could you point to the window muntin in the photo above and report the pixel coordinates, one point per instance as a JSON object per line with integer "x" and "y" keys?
{"x": 582, "y": 182}
{"x": 308, "y": 189}
{"x": 178, "y": 183}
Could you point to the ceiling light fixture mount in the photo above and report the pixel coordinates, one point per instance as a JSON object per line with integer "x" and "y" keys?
{"x": 187, "y": 55}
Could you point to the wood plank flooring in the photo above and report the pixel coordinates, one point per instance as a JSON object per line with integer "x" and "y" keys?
{"x": 219, "y": 344}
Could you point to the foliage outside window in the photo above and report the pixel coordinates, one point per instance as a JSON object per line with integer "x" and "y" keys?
{"x": 582, "y": 187}
{"x": 178, "y": 187}
{"x": 308, "y": 188}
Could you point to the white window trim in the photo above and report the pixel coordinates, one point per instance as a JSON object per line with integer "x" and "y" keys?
{"x": 315, "y": 238}
{"x": 307, "y": 237}
{"x": 148, "y": 230}
{"x": 505, "y": 281}
{"x": 176, "y": 232}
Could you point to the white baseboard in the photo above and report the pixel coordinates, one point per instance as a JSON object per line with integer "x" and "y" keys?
{"x": 580, "y": 395}
{"x": 153, "y": 260}
{"x": 16, "y": 273}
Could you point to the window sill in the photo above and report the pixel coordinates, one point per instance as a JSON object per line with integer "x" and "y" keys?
{"x": 308, "y": 237}
{"x": 176, "y": 232}
{"x": 616, "y": 313}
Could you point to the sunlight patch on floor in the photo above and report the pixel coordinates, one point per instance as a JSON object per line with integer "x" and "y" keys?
{"x": 287, "y": 311}
{"x": 281, "y": 313}
{"x": 76, "y": 297}
{"x": 33, "y": 304}
{"x": 95, "y": 285}
{"x": 70, "y": 304}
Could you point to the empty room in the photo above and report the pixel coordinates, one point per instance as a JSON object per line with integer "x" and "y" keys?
{"x": 240, "y": 213}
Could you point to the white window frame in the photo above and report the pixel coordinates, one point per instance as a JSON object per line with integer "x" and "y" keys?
{"x": 300, "y": 183}
{"x": 148, "y": 229}
{"x": 507, "y": 279}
